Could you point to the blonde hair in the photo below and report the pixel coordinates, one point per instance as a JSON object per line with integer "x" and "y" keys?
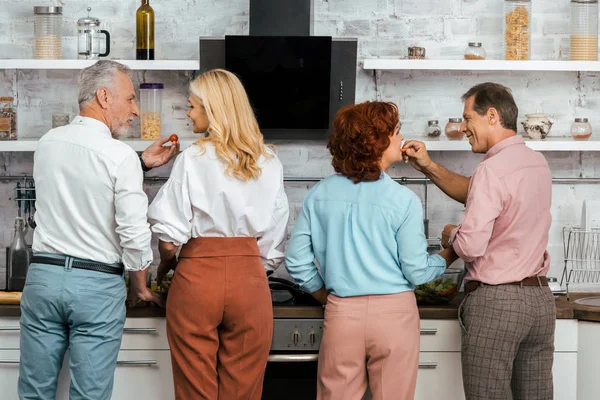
{"x": 233, "y": 128}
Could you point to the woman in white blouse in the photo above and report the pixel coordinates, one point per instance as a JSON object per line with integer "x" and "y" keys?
{"x": 225, "y": 204}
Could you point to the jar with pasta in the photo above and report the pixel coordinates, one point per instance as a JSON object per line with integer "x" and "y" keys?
{"x": 151, "y": 110}
{"x": 516, "y": 30}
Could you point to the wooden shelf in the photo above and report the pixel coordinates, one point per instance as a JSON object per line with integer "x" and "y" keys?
{"x": 167, "y": 65}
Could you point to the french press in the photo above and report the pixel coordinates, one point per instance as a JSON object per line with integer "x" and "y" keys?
{"x": 89, "y": 33}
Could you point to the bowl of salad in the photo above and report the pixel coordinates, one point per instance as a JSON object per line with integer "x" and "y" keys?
{"x": 442, "y": 289}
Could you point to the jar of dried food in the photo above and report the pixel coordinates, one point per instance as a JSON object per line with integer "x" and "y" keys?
{"x": 474, "y": 51}
{"x": 47, "y": 28}
{"x": 452, "y": 129}
{"x": 581, "y": 129}
{"x": 516, "y": 30}
{"x": 151, "y": 109}
{"x": 8, "y": 119}
{"x": 584, "y": 30}
{"x": 433, "y": 128}
{"x": 416, "y": 53}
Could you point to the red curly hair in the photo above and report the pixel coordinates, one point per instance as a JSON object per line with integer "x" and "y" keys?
{"x": 361, "y": 135}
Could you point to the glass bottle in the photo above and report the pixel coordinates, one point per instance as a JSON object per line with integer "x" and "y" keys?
{"x": 581, "y": 129}
{"x": 18, "y": 258}
{"x": 47, "y": 31}
{"x": 474, "y": 51}
{"x": 144, "y": 30}
{"x": 584, "y": 30}
{"x": 433, "y": 128}
{"x": 452, "y": 129}
{"x": 516, "y": 30}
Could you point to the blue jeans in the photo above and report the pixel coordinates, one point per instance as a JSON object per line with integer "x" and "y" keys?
{"x": 81, "y": 310}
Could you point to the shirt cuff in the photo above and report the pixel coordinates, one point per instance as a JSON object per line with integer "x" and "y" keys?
{"x": 456, "y": 249}
{"x": 314, "y": 284}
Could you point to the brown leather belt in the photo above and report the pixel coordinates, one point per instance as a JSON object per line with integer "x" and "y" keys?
{"x": 531, "y": 281}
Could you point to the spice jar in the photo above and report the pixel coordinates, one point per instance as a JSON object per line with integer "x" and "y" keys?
{"x": 581, "y": 129}
{"x": 47, "y": 28}
{"x": 8, "y": 119}
{"x": 433, "y": 128}
{"x": 416, "y": 53}
{"x": 452, "y": 129}
{"x": 516, "y": 30}
{"x": 584, "y": 30}
{"x": 474, "y": 51}
{"x": 151, "y": 108}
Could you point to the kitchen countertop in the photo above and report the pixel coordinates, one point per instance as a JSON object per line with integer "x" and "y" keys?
{"x": 564, "y": 310}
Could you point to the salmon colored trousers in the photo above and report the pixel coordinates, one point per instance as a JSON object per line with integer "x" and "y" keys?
{"x": 369, "y": 340}
{"x": 219, "y": 320}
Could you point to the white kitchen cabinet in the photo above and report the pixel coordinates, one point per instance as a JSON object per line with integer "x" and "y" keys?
{"x": 147, "y": 375}
{"x": 440, "y": 376}
{"x": 9, "y": 333}
{"x": 144, "y": 334}
{"x": 588, "y": 361}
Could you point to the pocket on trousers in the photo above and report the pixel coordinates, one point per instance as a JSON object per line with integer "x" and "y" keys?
{"x": 461, "y": 307}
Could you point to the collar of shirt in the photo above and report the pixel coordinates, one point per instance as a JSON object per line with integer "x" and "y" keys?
{"x": 517, "y": 139}
{"x": 94, "y": 124}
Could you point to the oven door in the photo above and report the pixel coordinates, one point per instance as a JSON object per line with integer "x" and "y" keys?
{"x": 291, "y": 376}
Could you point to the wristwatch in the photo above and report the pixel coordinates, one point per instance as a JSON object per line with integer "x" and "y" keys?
{"x": 144, "y": 167}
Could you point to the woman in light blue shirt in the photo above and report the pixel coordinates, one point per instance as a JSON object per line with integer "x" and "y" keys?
{"x": 366, "y": 233}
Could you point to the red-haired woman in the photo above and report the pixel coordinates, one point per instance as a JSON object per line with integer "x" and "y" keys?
{"x": 366, "y": 233}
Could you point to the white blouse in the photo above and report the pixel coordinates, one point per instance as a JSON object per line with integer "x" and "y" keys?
{"x": 200, "y": 200}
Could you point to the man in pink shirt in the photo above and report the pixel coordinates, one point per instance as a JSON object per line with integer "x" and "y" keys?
{"x": 508, "y": 314}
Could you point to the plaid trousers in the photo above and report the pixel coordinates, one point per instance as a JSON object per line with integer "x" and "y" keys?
{"x": 508, "y": 342}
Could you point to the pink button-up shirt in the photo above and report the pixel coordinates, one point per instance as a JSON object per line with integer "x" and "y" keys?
{"x": 504, "y": 232}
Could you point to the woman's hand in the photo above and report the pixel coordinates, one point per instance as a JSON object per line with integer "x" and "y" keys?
{"x": 321, "y": 295}
{"x": 164, "y": 268}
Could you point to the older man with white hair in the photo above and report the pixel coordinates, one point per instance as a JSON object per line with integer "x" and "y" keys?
{"x": 91, "y": 227}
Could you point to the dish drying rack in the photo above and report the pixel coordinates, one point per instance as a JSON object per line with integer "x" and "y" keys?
{"x": 582, "y": 257}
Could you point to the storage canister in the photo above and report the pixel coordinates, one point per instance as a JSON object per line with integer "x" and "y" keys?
{"x": 151, "y": 109}
{"x": 581, "y": 129}
{"x": 47, "y": 27}
{"x": 516, "y": 44}
{"x": 584, "y": 30}
{"x": 452, "y": 129}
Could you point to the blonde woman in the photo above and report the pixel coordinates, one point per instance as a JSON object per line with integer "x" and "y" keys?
{"x": 225, "y": 204}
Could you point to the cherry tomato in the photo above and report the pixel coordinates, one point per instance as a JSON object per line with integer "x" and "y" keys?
{"x": 173, "y": 138}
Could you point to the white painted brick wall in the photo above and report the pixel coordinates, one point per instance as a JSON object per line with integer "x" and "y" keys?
{"x": 384, "y": 28}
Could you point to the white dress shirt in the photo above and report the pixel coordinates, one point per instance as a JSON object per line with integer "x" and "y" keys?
{"x": 90, "y": 203}
{"x": 200, "y": 200}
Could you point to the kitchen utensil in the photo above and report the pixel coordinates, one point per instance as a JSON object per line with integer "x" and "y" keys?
{"x": 31, "y": 191}
{"x": 88, "y": 38}
{"x": 442, "y": 289}
{"x": 18, "y": 193}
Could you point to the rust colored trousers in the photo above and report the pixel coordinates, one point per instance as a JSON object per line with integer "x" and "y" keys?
{"x": 219, "y": 320}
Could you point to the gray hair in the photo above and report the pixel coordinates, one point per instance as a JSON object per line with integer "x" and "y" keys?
{"x": 99, "y": 75}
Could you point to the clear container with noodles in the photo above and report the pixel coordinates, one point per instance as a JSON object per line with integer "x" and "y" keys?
{"x": 151, "y": 110}
{"x": 516, "y": 30}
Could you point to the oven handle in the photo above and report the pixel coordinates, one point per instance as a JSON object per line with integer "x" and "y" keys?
{"x": 293, "y": 357}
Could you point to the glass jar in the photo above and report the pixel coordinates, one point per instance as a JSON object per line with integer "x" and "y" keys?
{"x": 516, "y": 30}
{"x": 474, "y": 51}
{"x": 584, "y": 30}
{"x": 8, "y": 119}
{"x": 59, "y": 120}
{"x": 47, "y": 27}
{"x": 88, "y": 38}
{"x": 151, "y": 109}
{"x": 433, "y": 128}
{"x": 452, "y": 129}
{"x": 581, "y": 129}
{"x": 416, "y": 53}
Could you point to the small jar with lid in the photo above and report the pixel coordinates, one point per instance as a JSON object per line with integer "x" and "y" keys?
{"x": 452, "y": 129}
{"x": 581, "y": 129}
{"x": 8, "y": 119}
{"x": 474, "y": 51}
{"x": 433, "y": 128}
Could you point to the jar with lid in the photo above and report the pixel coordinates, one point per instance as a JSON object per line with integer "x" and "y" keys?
{"x": 433, "y": 128}
{"x": 47, "y": 28}
{"x": 474, "y": 51}
{"x": 88, "y": 38}
{"x": 516, "y": 30}
{"x": 452, "y": 129}
{"x": 584, "y": 30}
{"x": 581, "y": 129}
{"x": 8, "y": 119}
{"x": 151, "y": 109}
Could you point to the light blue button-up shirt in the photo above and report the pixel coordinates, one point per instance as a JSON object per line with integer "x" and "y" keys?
{"x": 367, "y": 239}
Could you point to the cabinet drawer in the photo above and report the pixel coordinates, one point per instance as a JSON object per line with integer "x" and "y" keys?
{"x": 144, "y": 374}
{"x": 439, "y": 373}
{"x": 440, "y": 335}
{"x": 145, "y": 334}
{"x": 9, "y": 333}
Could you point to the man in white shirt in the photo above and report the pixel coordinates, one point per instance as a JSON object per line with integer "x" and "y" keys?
{"x": 91, "y": 227}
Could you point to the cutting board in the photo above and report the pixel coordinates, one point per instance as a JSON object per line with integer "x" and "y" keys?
{"x": 10, "y": 297}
